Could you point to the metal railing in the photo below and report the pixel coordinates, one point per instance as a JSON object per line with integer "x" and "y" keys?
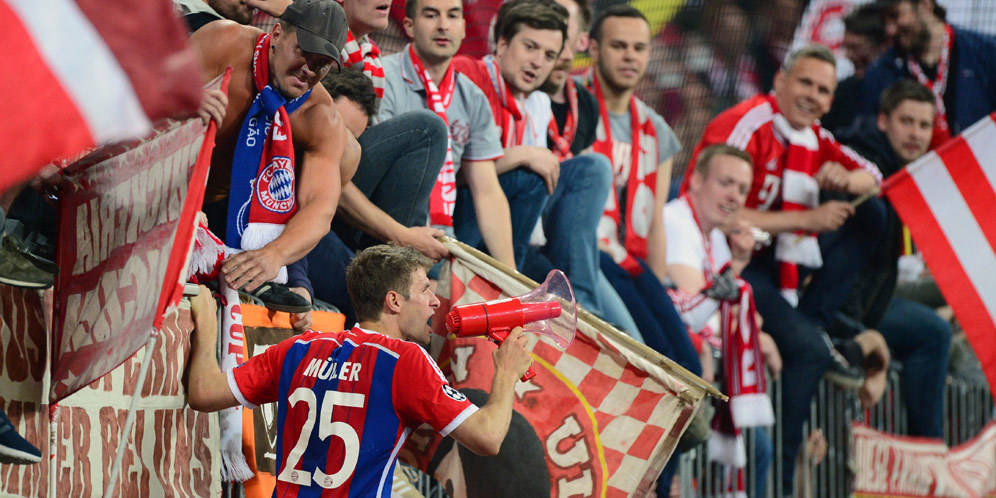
{"x": 968, "y": 406}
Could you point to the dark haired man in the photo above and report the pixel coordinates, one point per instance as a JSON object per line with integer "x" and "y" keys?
{"x": 631, "y": 231}
{"x": 954, "y": 63}
{"x": 917, "y": 337}
{"x": 345, "y": 400}
{"x": 572, "y": 243}
{"x": 529, "y": 35}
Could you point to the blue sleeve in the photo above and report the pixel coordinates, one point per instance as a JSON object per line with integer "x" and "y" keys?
{"x": 297, "y": 276}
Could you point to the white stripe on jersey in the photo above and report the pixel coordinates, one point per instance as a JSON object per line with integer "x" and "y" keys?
{"x": 378, "y": 346}
{"x": 234, "y": 386}
{"x": 748, "y": 124}
{"x": 464, "y": 415}
{"x": 394, "y": 455}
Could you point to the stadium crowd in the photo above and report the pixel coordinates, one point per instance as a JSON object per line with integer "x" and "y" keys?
{"x": 557, "y": 149}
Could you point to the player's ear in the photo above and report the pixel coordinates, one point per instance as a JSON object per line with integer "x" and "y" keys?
{"x": 392, "y": 302}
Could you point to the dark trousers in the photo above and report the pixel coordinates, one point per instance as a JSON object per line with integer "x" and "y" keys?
{"x": 798, "y": 331}
{"x": 921, "y": 341}
{"x": 654, "y": 314}
{"x": 398, "y": 168}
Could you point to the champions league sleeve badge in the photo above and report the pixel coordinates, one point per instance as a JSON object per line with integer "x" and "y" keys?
{"x": 275, "y": 186}
{"x": 453, "y": 393}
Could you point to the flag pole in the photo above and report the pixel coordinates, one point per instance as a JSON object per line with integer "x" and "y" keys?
{"x": 130, "y": 420}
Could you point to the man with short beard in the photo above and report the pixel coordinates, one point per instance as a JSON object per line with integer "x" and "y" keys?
{"x": 956, "y": 64}
{"x": 570, "y": 134}
{"x": 641, "y": 148}
{"x": 529, "y": 36}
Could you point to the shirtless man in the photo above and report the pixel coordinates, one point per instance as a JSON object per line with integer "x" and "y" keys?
{"x": 304, "y": 46}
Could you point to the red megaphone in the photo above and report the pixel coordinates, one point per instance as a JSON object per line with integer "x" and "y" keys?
{"x": 549, "y": 310}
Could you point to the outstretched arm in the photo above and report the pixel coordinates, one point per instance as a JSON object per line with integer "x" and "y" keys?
{"x": 484, "y": 431}
{"x": 207, "y": 388}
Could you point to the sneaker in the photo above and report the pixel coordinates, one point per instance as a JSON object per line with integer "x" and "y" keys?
{"x": 841, "y": 372}
{"x": 279, "y": 297}
{"x": 17, "y": 270}
{"x": 14, "y": 449}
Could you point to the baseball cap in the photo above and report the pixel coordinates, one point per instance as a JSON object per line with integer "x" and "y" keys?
{"x": 321, "y": 26}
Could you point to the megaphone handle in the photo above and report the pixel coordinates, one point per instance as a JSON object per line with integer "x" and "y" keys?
{"x": 528, "y": 375}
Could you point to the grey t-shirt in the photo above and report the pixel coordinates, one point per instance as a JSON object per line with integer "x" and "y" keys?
{"x": 472, "y": 128}
{"x": 622, "y": 131}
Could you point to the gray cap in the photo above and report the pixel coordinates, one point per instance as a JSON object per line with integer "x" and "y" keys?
{"x": 321, "y": 26}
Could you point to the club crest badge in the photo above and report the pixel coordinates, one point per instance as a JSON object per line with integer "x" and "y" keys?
{"x": 275, "y": 186}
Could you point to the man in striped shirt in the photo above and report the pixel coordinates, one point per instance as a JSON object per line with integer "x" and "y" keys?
{"x": 347, "y": 401}
{"x": 794, "y": 160}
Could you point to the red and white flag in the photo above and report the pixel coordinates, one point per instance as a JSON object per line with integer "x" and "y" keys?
{"x": 946, "y": 198}
{"x": 87, "y": 72}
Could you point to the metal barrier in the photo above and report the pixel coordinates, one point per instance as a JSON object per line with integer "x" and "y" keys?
{"x": 968, "y": 407}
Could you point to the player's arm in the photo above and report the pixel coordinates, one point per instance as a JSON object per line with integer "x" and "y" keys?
{"x": 484, "y": 431}
{"x": 318, "y": 188}
{"x": 657, "y": 238}
{"x": 491, "y": 208}
{"x": 207, "y": 388}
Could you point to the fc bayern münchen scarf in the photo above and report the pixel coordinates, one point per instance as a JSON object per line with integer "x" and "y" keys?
{"x": 262, "y": 197}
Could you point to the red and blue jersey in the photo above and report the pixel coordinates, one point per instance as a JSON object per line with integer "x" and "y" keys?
{"x": 346, "y": 402}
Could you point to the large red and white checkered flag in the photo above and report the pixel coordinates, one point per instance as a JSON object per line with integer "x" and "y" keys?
{"x": 946, "y": 198}
{"x": 600, "y": 419}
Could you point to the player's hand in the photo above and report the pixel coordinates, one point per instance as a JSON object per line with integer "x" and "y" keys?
{"x": 829, "y": 216}
{"x": 274, "y": 8}
{"x": 833, "y": 176}
{"x": 301, "y": 321}
{"x": 512, "y": 356}
{"x": 423, "y": 239}
{"x": 545, "y": 164}
{"x": 204, "y": 313}
{"x": 741, "y": 240}
{"x": 771, "y": 355}
{"x": 213, "y": 106}
{"x": 250, "y": 269}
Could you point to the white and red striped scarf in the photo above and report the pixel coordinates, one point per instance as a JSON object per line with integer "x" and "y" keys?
{"x": 937, "y": 86}
{"x": 800, "y": 192}
{"x": 562, "y": 141}
{"x": 743, "y": 362}
{"x": 365, "y": 56}
{"x": 641, "y": 185}
{"x": 442, "y": 200}
{"x": 206, "y": 258}
{"x": 510, "y": 118}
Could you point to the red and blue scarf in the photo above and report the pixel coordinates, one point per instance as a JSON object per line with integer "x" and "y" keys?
{"x": 263, "y": 197}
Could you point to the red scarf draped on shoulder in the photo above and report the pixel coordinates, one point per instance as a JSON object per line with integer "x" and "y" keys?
{"x": 442, "y": 200}
{"x": 641, "y": 184}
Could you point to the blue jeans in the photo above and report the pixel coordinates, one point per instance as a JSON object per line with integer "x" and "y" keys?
{"x": 651, "y": 308}
{"x": 921, "y": 340}
{"x": 526, "y": 194}
{"x": 614, "y": 309}
{"x": 398, "y": 167}
{"x": 798, "y": 331}
{"x": 570, "y": 220}
{"x": 327, "y": 264}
